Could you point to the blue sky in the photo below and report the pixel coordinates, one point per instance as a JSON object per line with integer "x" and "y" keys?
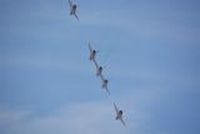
{"x": 151, "y": 50}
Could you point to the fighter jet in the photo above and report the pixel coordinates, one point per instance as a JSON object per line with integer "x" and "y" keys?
{"x": 92, "y": 57}
{"x": 119, "y": 114}
{"x": 73, "y": 9}
{"x": 92, "y": 52}
{"x": 99, "y": 71}
{"x": 105, "y": 85}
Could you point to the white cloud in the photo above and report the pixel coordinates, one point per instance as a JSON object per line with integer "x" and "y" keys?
{"x": 94, "y": 117}
{"x": 146, "y": 26}
{"x": 44, "y": 63}
{"x": 9, "y": 118}
{"x": 90, "y": 118}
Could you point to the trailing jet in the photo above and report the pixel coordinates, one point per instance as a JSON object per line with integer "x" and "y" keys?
{"x": 93, "y": 52}
{"x": 92, "y": 57}
{"x": 73, "y": 9}
{"x": 119, "y": 114}
{"x": 99, "y": 71}
{"x": 105, "y": 85}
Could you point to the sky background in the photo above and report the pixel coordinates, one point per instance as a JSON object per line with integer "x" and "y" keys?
{"x": 151, "y": 50}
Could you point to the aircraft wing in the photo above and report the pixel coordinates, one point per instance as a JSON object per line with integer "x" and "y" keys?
{"x": 102, "y": 78}
{"x": 95, "y": 63}
{"x": 122, "y": 121}
{"x": 76, "y": 16}
{"x": 90, "y": 47}
{"x": 107, "y": 91}
{"x": 70, "y": 3}
{"x": 116, "y": 109}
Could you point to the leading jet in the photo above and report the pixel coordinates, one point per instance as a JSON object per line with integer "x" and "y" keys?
{"x": 73, "y": 9}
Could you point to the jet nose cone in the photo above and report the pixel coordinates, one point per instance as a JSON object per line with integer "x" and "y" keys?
{"x": 120, "y": 112}
{"x": 74, "y": 6}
